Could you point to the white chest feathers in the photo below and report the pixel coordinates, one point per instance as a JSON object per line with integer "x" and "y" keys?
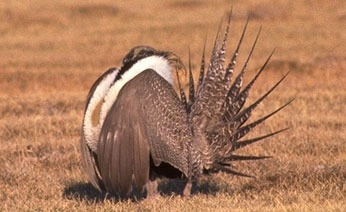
{"x": 106, "y": 94}
{"x": 92, "y": 120}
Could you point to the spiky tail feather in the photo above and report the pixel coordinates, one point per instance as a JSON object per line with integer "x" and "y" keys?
{"x": 215, "y": 87}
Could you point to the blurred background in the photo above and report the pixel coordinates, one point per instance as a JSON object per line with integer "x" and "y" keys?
{"x": 73, "y": 37}
{"x": 52, "y": 52}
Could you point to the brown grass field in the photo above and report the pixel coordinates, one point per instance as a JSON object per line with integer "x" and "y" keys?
{"x": 52, "y": 52}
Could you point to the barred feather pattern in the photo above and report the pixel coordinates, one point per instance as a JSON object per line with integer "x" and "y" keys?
{"x": 213, "y": 90}
{"x": 217, "y": 106}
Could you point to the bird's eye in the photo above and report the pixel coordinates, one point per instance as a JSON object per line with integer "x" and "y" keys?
{"x": 142, "y": 52}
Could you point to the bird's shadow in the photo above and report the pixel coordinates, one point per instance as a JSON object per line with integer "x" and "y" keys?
{"x": 85, "y": 191}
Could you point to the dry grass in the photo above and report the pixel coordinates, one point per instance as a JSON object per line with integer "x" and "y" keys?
{"x": 51, "y": 52}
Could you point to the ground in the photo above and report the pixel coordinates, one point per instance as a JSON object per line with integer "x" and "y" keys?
{"x": 52, "y": 52}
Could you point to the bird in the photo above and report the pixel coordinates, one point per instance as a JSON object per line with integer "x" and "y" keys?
{"x": 137, "y": 128}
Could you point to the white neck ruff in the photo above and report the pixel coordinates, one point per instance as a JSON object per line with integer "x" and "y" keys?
{"x": 157, "y": 63}
{"x": 108, "y": 94}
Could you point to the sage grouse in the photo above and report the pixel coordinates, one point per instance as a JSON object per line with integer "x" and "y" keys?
{"x": 136, "y": 128}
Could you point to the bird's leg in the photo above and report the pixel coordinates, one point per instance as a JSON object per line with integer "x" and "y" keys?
{"x": 152, "y": 188}
{"x": 152, "y": 185}
{"x": 187, "y": 189}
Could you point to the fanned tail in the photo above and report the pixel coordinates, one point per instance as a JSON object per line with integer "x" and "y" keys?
{"x": 215, "y": 106}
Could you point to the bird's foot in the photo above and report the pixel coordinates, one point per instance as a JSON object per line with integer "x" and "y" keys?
{"x": 152, "y": 192}
{"x": 187, "y": 189}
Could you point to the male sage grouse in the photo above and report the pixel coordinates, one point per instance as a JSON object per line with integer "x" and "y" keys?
{"x": 136, "y": 129}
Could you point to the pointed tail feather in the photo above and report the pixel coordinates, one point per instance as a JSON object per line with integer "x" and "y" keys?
{"x": 229, "y": 74}
{"x": 252, "y": 50}
{"x": 240, "y": 100}
{"x": 236, "y": 86}
{"x": 191, "y": 83}
{"x": 247, "y": 157}
{"x": 230, "y": 171}
{"x": 214, "y": 53}
{"x": 243, "y": 116}
{"x": 246, "y": 129}
{"x": 202, "y": 69}
{"x": 210, "y": 99}
{"x": 231, "y": 64}
{"x": 217, "y": 60}
{"x": 182, "y": 93}
{"x": 224, "y": 41}
{"x": 241, "y": 144}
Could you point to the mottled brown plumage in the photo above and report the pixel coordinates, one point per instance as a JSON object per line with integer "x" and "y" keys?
{"x": 149, "y": 132}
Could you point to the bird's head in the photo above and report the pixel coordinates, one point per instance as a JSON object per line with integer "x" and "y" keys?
{"x": 138, "y": 53}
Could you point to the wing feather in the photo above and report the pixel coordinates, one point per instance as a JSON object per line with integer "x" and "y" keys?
{"x": 165, "y": 119}
{"x": 90, "y": 165}
{"x": 141, "y": 173}
{"x": 126, "y": 158}
{"x": 123, "y": 152}
{"x": 147, "y": 119}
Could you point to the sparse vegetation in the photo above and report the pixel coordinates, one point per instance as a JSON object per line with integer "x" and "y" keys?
{"x": 51, "y": 52}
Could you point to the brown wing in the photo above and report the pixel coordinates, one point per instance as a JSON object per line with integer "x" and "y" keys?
{"x": 90, "y": 166}
{"x": 147, "y": 119}
{"x": 167, "y": 125}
